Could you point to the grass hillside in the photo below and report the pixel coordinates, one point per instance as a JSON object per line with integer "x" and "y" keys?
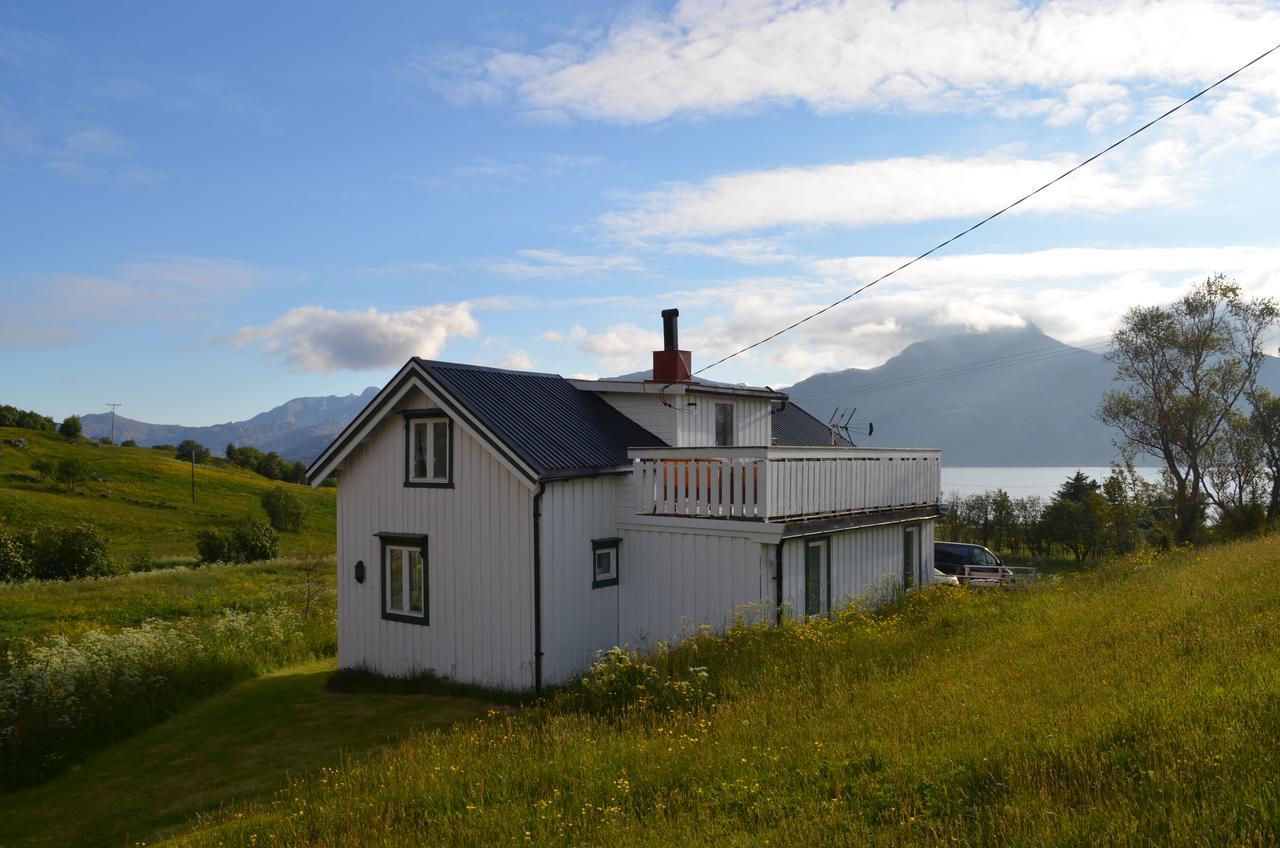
{"x": 143, "y": 502}
{"x": 1132, "y": 705}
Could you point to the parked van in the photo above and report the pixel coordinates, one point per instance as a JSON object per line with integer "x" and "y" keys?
{"x": 971, "y": 564}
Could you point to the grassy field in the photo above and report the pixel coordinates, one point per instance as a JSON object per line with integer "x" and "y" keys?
{"x": 143, "y": 503}
{"x": 1131, "y": 705}
{"x": 243, "y": 743}
{"x": 36, "y": 610}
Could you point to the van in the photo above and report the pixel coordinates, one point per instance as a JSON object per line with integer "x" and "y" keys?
{"x": 972, "y": 564}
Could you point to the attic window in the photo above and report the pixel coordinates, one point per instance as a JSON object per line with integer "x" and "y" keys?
{"x": 428, "y": 448}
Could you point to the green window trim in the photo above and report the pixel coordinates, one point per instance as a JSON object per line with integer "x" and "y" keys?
{"x": 404, "y": 540}
{"x": 598, "y": 545}
{"x": 414, "y": 415}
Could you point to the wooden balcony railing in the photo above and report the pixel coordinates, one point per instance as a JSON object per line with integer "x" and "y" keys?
{"x": 782, "y": 484}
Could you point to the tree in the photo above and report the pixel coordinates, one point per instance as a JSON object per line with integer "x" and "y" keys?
{"x": 272, "y": 467}
{"x": 1077, "y": 487}
{"x": 70, "y": 427}
{"x": 284, "y": 509}
{"x": 1234, "y": 475}
{"x": 1266, "y": 423}
{"x": 69, "y": 472}
{"x": 43, "y": 466}
{"x": 1184, "y": 367}
{"x": 187, "y": 447}
{"x": 1079, "y": 526}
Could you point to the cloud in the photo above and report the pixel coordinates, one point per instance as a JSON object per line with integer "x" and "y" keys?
{"x": 517, "y": 360}
{"x": 576, "y": 334}
{"x": 884, "y": 191}
{"x": 710, "y": 56}
{"x": 313, "y": 338}
{"x": 84, "y": 156}
{"x": 553, "y": 263}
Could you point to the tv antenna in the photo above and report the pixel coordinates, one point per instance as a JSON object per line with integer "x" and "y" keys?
{"x": 113, "y": 420}
{"x": 842, "y": 420}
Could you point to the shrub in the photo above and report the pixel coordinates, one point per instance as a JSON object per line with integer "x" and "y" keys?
{"x": 61, "y": 699}
{"x": 255, "y": 540}
{"x": 214, "y": 546}
{"x": 189, "y": 447}
{"x": 69, "y": 471}
{"x": 163, "y": 447}
{"x": 129, "y": 443}
{"x": 44, "y": 467}
{"x": 70, "y": 427}
{"x": 16, "y": 551}
{"x": 622, "y": 681}
{"x": 284, "y": 509}
{"x": 11, "y": 416}
{"x": 66, "y": 553}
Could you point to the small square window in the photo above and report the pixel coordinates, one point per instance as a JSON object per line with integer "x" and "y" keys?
{"x": 604, "y": 562}
{"x": 724, "y": 425}
{"x": 428, "y": 449}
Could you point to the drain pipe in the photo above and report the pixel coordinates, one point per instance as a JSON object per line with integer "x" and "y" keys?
{"x": 537, "y": 587}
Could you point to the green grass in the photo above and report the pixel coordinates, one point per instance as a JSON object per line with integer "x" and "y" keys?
{"x": 1130, "y": 705}
{"x": 243, "y": 743}
{"x": 144, "y": 504}
{"x": 41, "y": 609}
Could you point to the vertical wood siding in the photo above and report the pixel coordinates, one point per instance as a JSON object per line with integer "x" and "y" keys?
{"x": 647, "y": 410}
{"x": 673, "y": 583}
{"x": 577, "y": 620}
{"x": 480, "y": 568}
{"x": 752, "y": 421}
{"x": 865, "y": 563}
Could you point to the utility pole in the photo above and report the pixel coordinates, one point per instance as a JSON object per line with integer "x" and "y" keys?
{"x": 113, "y": 420}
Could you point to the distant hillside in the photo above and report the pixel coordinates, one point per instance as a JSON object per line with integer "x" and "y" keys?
{"x": 297, "y": 429}
{"x": 1024, "y": 399}
{"x": 141, "y": 498}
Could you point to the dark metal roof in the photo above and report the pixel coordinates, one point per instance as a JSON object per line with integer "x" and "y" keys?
{"x": 795, "y": 428}
{"x": 556, "y": 429}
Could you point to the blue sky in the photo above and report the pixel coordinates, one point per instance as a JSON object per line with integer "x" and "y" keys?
{"x": 209, "y": 210}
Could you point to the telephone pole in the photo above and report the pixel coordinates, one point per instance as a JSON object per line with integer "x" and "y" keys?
{"x": 113, "y": 420}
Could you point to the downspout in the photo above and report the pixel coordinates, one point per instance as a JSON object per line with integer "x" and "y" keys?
{"x": 537, "y": 586}
{"x": 777, "y": 581}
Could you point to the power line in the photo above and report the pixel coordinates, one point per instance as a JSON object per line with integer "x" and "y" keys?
{"x": 993, "y": 215}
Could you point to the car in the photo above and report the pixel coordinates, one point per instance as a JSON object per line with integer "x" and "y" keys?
{"x": 971, "y": 564}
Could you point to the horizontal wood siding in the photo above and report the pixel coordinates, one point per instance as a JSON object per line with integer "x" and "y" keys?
{"x": 865, "y": 564}
{"x": 673, "y": 583}
{"x": 480, "y": 564}
{"x": 752, "y": 420}
{"x": 647, "y": 410}
{"x": 577, "y": 620}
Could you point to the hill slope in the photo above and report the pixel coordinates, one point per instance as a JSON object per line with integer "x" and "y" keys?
{"x": 1133, "y": 705}
{"x": 143, "y": 501}
{"x": 297, "y": 429}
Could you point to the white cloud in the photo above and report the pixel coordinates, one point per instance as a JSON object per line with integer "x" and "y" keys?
{"x": 576, "y": 334}
{"x": 313, "y": 338}
{"x": 517, "y": 360}
{"x": 899, "y": 190}
{"x": 553, "y": 263}
{"x": 726, "y": 55}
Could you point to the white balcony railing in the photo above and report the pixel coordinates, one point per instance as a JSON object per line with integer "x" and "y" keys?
{"x": 782, "y": 484}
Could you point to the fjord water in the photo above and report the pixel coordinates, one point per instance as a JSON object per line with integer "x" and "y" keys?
{"x": 1020, "y": 481}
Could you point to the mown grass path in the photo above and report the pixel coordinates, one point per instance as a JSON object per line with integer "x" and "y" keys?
{"x": 243, "y": 743}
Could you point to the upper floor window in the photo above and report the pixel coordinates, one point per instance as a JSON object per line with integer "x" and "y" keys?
{"x": 724, "y": 425}
{"x": 428, "y": 448}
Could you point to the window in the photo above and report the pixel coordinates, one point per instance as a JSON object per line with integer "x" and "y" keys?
{"x": 405, "y": 595}
{"x": 428, "y": 450}
{"x": 910, "y": 556}
{"x": 724, "y": 425}
{"x": 817, "y": 577}
{"x": 604, "y": 562}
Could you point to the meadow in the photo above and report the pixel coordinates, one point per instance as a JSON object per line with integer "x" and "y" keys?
{"x": 142, "y": 500}
{"x": 1131, "y": 704}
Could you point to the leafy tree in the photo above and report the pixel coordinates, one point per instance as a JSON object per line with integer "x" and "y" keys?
{"x": 255, "y": 540}
{"x": 43, "y": 466}
{"x": 284, "y": 509}
{"x": 1266, "y": 424}
{"x": 67, "y": 553}
{"x": 1234, "y": 472}
{"x": 1184, "y": 367}
{"x": 214, "y": 546}
{"x": 187, "y": 447}
{"x": 70, "y": 472}
{"x": 11, "y": 416}
{"x": 70, "y": 427}
{"x": 1079, "y": 526}
{"x": 272, "y": 467}
{"x": 297, "y": 473}
{"x": 1077, "y": 488}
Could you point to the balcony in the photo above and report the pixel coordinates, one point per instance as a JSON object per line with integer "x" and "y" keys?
{"x": 783, "y": 484}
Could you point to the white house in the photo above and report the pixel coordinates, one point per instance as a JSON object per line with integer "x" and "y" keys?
{"x": 501, "y": 527}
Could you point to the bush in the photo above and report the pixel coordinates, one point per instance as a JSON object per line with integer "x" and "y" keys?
{"x": 70, "y": 427}
{"x": 16, "y": 553}
{"x": 69, "y": 472}
{"x": 622, "y": 681}
{"x": 129, "y": 443}
{"x": 11, "y": 416}
{"x": 189, "y": 447}
{"x": 252, "y": 541}
{"x": 67, "y": 553}
{"x": 44, "y": 467}
{"x": 284, "y": 509}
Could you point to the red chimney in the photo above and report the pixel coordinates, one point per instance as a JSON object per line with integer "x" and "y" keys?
{"x": 671, "y": 365}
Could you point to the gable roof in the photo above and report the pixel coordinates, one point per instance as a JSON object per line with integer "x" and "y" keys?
{"x": 795, "y": 428}
{"x": 543, "y": 426}
{"x": 554, "y": 428}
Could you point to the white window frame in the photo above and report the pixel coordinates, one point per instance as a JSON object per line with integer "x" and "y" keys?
{"x": 436, "y": 424}
{"x": 408, "y": 548}
{"x": 610, "y": 548}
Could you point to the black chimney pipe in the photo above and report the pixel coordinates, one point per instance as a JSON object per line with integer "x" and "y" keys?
{"x": 670, "y": 335}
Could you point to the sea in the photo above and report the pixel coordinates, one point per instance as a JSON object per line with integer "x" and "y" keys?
{"x": 1020, "y": 482}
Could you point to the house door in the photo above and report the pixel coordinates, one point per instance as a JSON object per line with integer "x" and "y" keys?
{"x": 817, "y": 578}
{"x": 910, "y": 557}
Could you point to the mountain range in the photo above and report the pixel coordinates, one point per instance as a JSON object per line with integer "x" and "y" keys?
{"x": 1003, "y": 397}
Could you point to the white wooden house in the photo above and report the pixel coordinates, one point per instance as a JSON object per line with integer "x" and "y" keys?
{"x": 501, "y": 527}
